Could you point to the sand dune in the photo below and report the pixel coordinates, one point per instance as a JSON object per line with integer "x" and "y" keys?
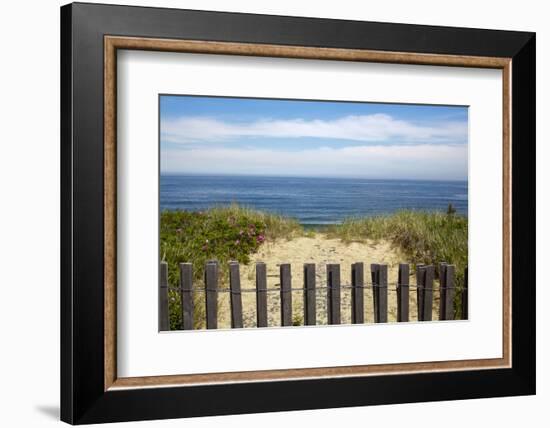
{"x": 319, "y": 250}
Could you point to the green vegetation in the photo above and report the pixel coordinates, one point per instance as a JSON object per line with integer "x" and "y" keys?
{"x": 423, "y": 237}
{"x": 223, "y": 234}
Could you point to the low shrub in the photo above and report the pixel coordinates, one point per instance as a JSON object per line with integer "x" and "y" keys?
{"x": 230, "y": 233}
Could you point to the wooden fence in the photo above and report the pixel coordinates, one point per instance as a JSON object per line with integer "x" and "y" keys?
{"x": 425, "y": 287}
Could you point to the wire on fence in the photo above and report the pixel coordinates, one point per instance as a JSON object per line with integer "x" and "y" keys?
{"x": 278, "y": 290}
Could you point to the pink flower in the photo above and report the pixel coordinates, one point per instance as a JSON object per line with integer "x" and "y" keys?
{"x": 237, "y": 242}
{"x": 260, "y": 238}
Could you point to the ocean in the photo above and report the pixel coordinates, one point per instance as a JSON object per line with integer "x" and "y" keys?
{"x": 313, "y": 201}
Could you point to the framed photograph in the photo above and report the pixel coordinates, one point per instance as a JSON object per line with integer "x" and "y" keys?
{"x": 265, "y": 213}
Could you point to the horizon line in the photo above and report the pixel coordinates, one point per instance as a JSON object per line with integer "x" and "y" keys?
{"x": 191, "y": 174}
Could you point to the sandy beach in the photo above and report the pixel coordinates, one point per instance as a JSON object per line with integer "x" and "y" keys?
{"x": 320, "y": 250}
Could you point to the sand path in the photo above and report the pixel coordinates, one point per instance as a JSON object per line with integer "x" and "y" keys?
{"x": 319, "y": 250}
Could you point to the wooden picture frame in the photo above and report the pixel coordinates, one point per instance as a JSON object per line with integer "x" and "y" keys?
{"x": 91, "y": 390}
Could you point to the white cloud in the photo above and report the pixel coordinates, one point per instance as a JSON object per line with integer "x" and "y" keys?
{"x": 366, "y": 128}
{"x": 422, "y": 161}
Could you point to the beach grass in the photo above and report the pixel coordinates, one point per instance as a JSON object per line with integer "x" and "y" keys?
{"x": 423, "y": 237}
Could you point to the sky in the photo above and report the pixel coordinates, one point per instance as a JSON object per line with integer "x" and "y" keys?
{"x": 246, "y": 136}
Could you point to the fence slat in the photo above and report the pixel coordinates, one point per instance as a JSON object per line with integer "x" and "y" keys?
{"x": 186, "y": 295}
{"x": 310, "y": 315}
{"x": 427, "y": 301}
{"x": 419, "y": 290}
{"x": 333, "y": 294}
{"x": 465, "y": 296}
{"x": 442, "y": 290}
{"x": 450, "y": 295}
{"x": 403, "y": 293}
{"x": 211, "y": 284}
{"x": 236, "y": 298}
{"x": 164, "y": 315}
{"x": 374, "y": 268}
{"x": 261, "y": 295}
{"x": 357, "y": 293}
{"x": 381, "y": 291}
{"x": 286, "y": 295}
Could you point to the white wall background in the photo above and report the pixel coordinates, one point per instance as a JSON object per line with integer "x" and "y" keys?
{"x": 29, "y": 214}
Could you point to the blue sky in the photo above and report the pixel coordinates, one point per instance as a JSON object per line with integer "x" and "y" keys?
{"x": 206, "y": 135}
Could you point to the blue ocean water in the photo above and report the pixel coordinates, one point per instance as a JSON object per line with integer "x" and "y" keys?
{"x": 313, "y": 201}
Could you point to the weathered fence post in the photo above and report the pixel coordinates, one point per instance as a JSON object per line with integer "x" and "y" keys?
{"x": 450, "y": 297}
{"x": 447, "y": 293}
{"x": 379, "y": 273}
{"x": 374, "y": 267}
{"x": 286, "y": 294}
{"x": 236, "y": 298}
{"x": 186, "y": 295}
{"x": 442, "y": 289}
{"x": 164, "y": 313}
{"x": 333, "y": 293}
{"x": 403, "y": 293}
{"x": 427, "y": 292}
{"x": 465, "y": 296}
{"x": 419, "y": 290}
{"x": 357, "y": 293}
{"x": 261, "y": 295}
{"x": 310, "y": 315}
{"x": 211, "y": 292}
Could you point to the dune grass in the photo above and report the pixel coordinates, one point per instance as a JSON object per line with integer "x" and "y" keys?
{"x": 423, "y": 237}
